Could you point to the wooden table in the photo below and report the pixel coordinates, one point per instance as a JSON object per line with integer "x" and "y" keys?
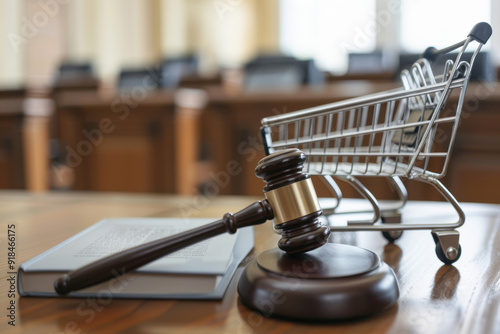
{"x": 463, "y": 298}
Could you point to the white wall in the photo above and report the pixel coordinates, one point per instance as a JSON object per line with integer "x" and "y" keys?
{"x": 12, "y": 44}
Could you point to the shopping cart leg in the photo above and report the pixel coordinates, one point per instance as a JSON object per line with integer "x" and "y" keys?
{"x": 360, "y": 188}
{"x": 448, "y": 248}
{"x": 392, "y": 214}
{"x": 335, "y": 189}
{"x": 447, "y": 196}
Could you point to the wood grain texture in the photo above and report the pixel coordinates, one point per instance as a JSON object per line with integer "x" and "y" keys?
{"x": 463, "y": 298}
{"x": 127, "y": 144}
{"x": 11, "y": 139}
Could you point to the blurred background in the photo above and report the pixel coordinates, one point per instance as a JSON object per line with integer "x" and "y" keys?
{"x": 167, "y": 95}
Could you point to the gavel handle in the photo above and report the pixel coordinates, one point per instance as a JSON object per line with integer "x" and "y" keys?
{"x": 127, "y": 260}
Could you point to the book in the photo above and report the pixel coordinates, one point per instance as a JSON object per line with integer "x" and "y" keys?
{"x": 200, "y": 271}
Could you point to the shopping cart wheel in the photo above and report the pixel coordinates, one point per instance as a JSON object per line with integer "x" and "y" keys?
{"x": 391, "y": 217}
{"x": 392, "y": 236}
{"x": 448, "y": 249}
{"x": 452, "y": 252}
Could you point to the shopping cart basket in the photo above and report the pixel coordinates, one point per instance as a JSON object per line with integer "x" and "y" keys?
{"x": 403, "y": 133}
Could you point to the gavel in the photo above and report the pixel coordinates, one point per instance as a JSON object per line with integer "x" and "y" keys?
{"x": 291, "y": 202}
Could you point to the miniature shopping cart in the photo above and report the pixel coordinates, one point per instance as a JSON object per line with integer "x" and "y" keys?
{"x": 403, "y": 133}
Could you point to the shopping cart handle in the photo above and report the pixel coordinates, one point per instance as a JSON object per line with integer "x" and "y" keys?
{"x": 431, "y": 53}
{"x": 481, "y": 32}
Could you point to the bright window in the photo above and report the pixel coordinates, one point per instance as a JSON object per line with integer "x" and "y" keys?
{"x": 439, "y": 23}
{"x": 327, "y": 30}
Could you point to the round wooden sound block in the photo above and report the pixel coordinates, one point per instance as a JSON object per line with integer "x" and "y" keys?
{"x": 332, "y": 282}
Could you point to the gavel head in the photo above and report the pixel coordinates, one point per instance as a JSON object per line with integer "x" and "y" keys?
{"x": 293, "y": 199}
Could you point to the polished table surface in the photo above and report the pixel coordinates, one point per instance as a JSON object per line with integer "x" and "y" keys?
{"x": 463, "y": 298}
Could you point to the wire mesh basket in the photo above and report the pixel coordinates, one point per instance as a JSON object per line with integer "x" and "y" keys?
{"x": 403, "y": 133}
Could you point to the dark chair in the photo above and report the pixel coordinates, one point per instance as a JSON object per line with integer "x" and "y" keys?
{"x": 131, "y": 78}
{"x": 70, "y": 76}
{"x": 281, "y": 72}
{"x": 74, "y": 70}
{"x": 173, "y": 70}
{"x": 369, "y": 63}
